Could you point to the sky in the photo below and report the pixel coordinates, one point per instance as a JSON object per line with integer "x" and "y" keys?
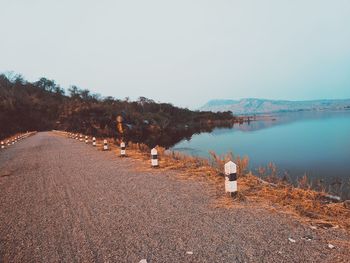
{"x": 185, "y": 52}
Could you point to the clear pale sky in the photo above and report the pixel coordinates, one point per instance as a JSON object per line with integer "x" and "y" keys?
{"x": 185, "y": 52}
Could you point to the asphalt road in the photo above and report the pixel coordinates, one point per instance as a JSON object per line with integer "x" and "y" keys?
{"x": 64, "y": 201}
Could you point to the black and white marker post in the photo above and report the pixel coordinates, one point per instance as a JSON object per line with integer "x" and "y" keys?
{"x": 86, "y": 139}
{"x": 122, "y": 149}
{"x": 93, "y": 141}
{"x": 105, "y": 145}
{"x": 231, "y": 178}
{"x": 154, "y": 156}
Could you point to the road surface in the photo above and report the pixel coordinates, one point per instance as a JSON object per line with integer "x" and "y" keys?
{"x": 63, "y": 201}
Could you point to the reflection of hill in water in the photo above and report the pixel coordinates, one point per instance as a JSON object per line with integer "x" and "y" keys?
{"x": 265, "y": 122}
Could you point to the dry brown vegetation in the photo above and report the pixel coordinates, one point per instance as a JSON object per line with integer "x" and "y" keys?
{"x": 272, "y": 192}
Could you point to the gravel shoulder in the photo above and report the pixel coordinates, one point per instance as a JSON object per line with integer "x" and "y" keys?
{"x": 63, "y": 201}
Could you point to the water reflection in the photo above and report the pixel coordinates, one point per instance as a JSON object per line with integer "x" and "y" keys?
{"x": 315, "y": 143}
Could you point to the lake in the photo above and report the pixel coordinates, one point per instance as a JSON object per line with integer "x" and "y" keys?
{"x": 313, "y": 143}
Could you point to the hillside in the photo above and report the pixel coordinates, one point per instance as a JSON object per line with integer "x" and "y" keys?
{"x": 256, "y": 106}
{"x": 44, "y": 105}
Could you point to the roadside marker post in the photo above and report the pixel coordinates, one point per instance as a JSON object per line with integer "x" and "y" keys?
{"x": 81, "y": 137}
{"x": 86, "y": 139}
{"x": 77, "y": 137}
{"x": 231, "y": 178}
{"x": 122, "y": 149}
{"x": 154, "y": 157}
{"x": 8, "y": 143}
{"x": 2, "y": 145}
{"x": 105, "y": 145}
{"x": 93, "y": 141}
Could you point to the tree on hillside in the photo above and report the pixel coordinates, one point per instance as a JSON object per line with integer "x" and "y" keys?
{"x": 74, "y": 91}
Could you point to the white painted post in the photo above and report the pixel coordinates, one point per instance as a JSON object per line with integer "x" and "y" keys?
{"x": 93, "y": 141}
{"x": 86, "y": 139}
{"x": 81, "y": 137}
{"x": 105, "y": 145}
{"x": 77, "y": 137}
{"x": 231, "y": 178}
{"x": 2, "y": 145}
{"x": 122, "y": 149}
{"x": 8, "y": 143}
{"x": 154, "y": 156}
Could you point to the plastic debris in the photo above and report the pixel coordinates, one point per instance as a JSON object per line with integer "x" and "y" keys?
{"x": 143, "y": 261}
{"x": 189, "y": 253}
{"x": 291, "y": 240}
{"x": 331, "y": 246}
{"x": 307, "y": 238}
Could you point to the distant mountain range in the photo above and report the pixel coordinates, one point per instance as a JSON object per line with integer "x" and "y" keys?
{"x": 259, "y": 106}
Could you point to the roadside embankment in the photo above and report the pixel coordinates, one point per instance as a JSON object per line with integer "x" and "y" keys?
{"x": 307, "y": 205}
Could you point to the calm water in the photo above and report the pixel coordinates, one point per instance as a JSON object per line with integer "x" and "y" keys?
{"x": 317, "y": 144}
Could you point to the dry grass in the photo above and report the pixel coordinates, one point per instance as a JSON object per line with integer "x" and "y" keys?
{"x": 306, "y": 204}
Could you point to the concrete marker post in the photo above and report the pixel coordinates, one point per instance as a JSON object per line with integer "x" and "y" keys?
{"x": 105, "y": 145}
{"x": 93, "y": 141}
{"x": 86, "y": 139}
{"x": 2, "y": 145}
{"x": 81, "y": 137}
{"x": 231, "y": 178}
{"x": 122, "y": 149}
{"x": 8, "y": 143}
{"x": 154, "y": 156}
